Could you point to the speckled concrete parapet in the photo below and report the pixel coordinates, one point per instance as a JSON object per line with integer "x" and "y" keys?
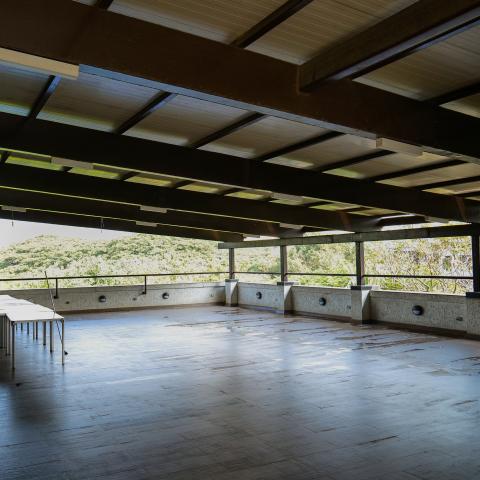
{"x": 306, "y": 299}
{"x": 439, "y": 310}
{"x": 473, "y": 315}
{"x": 271, "y": 296}
{"x": 125, "y": 297}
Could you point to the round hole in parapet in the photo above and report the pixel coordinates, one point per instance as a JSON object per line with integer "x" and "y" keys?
{"x": 165, "y": 295}
{"x": 322, "y": 301}
{"x": 417, "y": 310}
{"x": 259, "y": 295}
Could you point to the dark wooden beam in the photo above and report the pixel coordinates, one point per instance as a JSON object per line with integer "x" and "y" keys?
{"x": 353, "y": 161}
{"x": 416, "y": 27}
{"x": 212, "y": 71}
{"x": 278, "y": 16}
{"x": 157, "y": 102}
{"x": 270, "y": 22}
{"x": 43, "y": 97}
{"x": 402, "y": 234}
{"x": 66, "y": 141}
{"x": 81, "y": 206}
{"x": 47, "y": 91}
{"x": 68, "y": 184}
{"x": 105, "y": 4}
{"x": 56, "y": 218}
{"x": 309, "y": 142}
{"x": 249, "y": 119}
{"x": 396, "y": 220}
{"x": 412, "y": 171}
{"x": 448, "y": 183}
{"x": 464, "y": 92}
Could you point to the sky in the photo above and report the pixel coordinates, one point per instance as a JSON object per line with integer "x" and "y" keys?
{"x": 21, "y": 231}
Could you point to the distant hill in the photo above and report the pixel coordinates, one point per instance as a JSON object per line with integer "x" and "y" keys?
{"x": 139, "y": 254}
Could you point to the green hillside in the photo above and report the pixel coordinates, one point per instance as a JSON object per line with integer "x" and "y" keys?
{"x": 138, "y": 254}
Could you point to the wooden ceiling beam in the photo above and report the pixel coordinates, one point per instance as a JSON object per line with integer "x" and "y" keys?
{"x": 71, "y": 185}
{"x": 208, "y": 70}
{"x": 93, "y": 146}
{"x": 80, "y": 206}
{"x": 416, "y": 27}
{"x": 278, "y": 16}
{"x": 55, "y": 218}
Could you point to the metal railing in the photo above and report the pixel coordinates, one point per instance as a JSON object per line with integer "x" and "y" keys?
{"x": 145, "y": 277}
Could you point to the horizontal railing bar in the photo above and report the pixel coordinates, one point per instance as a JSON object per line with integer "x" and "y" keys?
{"x": 443, "y": 277}
{"x": 323, "y": 274}
{"x": 260, "y": 273}
{"x": 112, "y": 276}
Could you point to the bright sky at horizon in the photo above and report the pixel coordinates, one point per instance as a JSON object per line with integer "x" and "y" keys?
{"x": 21, "y": 231}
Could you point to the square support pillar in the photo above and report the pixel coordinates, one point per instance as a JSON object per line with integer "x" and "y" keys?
{"x": 359, "y": 263}
{"x": 360, "y": 303}
{"x": 231, "y": 263}
{"x": 283, "y": 263}
{"x": 231, "y": 292}
{"x": 285, "y": 294}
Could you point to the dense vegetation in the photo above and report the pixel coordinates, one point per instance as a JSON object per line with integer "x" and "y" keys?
{"x": 138, "y": 254}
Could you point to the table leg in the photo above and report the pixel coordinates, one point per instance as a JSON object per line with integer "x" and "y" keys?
{"x": 51, "y": 336}
{"x": 7, "y": 335}
{"x": 44, "y": 333}
{"x": 13, "y": 345}
{"x": 63, "y": 341}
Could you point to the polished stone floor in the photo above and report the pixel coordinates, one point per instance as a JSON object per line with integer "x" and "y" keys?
{"x": 219, "y": 393}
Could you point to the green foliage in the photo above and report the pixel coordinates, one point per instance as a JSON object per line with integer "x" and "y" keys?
{"x": 139, "y": 254}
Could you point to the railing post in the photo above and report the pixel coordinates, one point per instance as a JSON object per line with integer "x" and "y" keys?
{"x": 283, "y": 263}
{"x": 231, "y": 263}
{"x": 360, "y": 263}
{"x": 475, "y": 239}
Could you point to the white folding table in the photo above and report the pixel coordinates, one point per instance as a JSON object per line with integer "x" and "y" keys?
{"x": 16, "y": 311}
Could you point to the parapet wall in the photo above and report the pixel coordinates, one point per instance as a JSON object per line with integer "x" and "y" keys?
{"x": 454, "y": 313}
{"x": 126, "y": 297}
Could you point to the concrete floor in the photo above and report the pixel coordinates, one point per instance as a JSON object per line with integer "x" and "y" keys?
{"x": 219, "y": 393}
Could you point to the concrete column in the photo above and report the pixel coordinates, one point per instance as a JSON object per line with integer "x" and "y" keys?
{"x": 285, "y": 297}
{"x": 231, "y": 263}
{"x": 473, "y": 313}
{"x": 231, "y": 292}
{"x": 359, "y": 263}
{"x": 283, "y": 263}
{"x": 360, "y": 302}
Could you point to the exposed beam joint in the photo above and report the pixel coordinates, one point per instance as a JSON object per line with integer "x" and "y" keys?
{"x": 412, "y": 171}
{"x": 309, "y": 142}
{"x": 246, "y": 121}
{"x": 464, "y": 92}
{"x": 157, "y": 102}
{"x": 281, "y": 14}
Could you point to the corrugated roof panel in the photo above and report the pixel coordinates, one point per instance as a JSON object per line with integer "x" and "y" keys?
{"x": 184, "y": 120}
{"x": 95, "y": 102}
{"x": 321, "y": 24}
{"x": 220, "y": 20}
{"x": 264, "y": 136}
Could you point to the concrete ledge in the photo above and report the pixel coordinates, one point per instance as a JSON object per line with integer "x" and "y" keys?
{"x": 86, "y": 299}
